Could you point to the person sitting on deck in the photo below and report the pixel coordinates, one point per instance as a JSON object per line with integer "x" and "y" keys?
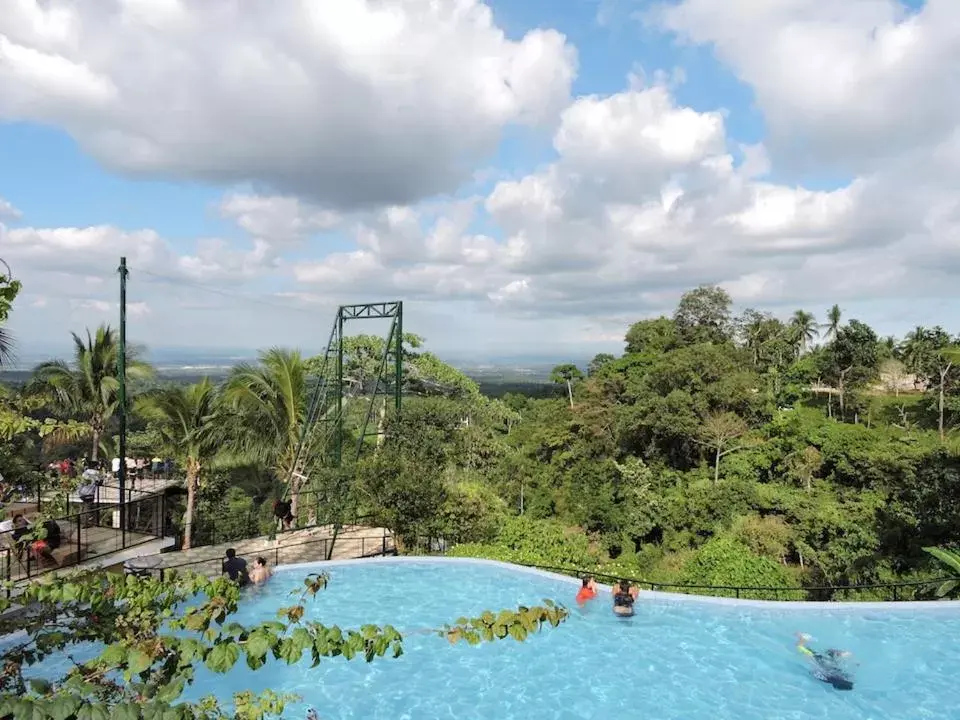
{"x": 46, "y": 542}
{"x": 21, "y": 528}
{"x": 235, "y": 567}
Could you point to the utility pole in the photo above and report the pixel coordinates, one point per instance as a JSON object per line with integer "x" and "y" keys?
{"x": 122, "y": 397}
{"x": 398, "y": 360}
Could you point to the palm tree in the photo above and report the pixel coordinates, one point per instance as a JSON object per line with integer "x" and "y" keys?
{"x": 568, "y": 374}
{"x": 9, "y": 289}
{"x": 832, "y": 325}
{"x": 6, "y": 347}
{"x": 804, "y": 327}
{"x": 89, "y": 387}
{"x": 268, "y": 403}
{"x": 188, "y": 422}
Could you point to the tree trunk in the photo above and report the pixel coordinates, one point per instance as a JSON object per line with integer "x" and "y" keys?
{"x": 193, "y": 480}
{"x": 843, "y": 376}
{"x": 570, "y": 392}
{"x": 381, "y": 421}
{"x": 95, "y": 450}
{"x": 829, "y": 404}
{"x": 943, "y": 382}
{"x": 294, "y": 497}
{"x": 716, "y": 467}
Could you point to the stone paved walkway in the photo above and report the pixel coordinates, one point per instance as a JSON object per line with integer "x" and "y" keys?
{"x": 288, "y": 548}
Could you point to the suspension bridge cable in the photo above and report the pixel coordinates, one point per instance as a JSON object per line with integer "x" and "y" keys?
{"x": 256, "y": 300}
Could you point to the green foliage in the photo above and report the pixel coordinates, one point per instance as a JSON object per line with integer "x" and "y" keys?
{"x": 950, "y": 560}
{"x": 88, "y": 389}
{"x": 727, "y": 561}
{"x": 156, "y": 633}
{"x": 472, "y": 512}
{"x": 708, "y": 427}
{"x": 9, "y": 289}
{"x": 534, "y": 542}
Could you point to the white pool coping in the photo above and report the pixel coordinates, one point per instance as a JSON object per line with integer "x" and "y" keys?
{"x": 651, "y": 595}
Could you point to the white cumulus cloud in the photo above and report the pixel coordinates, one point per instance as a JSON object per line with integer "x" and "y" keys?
{"x": 352, "y": 103}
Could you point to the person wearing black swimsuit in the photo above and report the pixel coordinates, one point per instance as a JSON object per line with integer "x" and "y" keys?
{"x": 624, "y": 595}
{"x": 827, "y": 665}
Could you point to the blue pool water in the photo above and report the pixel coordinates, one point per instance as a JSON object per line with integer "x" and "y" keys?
{"x": 676, "y": 659}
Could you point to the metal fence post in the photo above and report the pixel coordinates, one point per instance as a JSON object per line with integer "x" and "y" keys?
{"x": 79, "y": 543}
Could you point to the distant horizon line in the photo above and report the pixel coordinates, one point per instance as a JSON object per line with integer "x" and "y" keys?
{"x": 172, "y": 358}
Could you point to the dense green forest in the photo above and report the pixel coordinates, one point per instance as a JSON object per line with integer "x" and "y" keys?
{"x": 717, "y": 449}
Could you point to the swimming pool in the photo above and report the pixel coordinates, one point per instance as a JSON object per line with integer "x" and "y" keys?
{"x": 677, "y": 658}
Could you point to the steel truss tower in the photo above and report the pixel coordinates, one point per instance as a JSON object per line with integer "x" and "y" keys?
{"x": 324, "y": 421}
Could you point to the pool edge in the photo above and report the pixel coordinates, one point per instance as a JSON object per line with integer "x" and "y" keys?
{"x": 793, "y": 605}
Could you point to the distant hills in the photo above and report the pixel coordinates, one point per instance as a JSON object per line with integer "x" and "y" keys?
{"x": 189, "y": 364}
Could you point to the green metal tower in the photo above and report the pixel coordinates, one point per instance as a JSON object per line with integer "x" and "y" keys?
{"x": 325, "y": 414}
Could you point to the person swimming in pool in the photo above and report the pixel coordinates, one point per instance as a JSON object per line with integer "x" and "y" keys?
{"x": 588, "y": 591}
{"x": 827, "y": 665}
{"x": 624, "y": 595}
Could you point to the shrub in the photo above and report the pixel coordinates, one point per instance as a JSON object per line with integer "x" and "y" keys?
{"x": 766, "y": 536}
{"x": 729, "y": 562}
{"x": 534, "y": 542}
{"x": 472, "y": 512}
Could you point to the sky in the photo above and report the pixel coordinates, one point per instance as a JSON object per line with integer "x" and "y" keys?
{"x": 527, "y": 177}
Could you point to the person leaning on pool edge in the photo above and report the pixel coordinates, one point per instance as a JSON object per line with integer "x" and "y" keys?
{"x": 624, "y": 595}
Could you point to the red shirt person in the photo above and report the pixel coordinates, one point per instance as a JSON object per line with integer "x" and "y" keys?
{"x": 588, "y": 591}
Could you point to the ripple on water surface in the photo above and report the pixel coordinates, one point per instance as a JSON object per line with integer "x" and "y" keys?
{"x": 674, "y": 660}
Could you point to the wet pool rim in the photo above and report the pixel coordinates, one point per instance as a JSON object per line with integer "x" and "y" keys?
{"x": 925, "y": 606}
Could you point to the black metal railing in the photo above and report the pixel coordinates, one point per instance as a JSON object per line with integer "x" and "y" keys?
{"x": 314, "y": 511}
{"x": 913, "y": 590}
{"x": 383, "y": 544}
{"x": 94, "y": 532}
{"x": 372, "y": 545}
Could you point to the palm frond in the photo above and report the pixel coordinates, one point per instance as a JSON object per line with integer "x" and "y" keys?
{"x": 7, "y": 348}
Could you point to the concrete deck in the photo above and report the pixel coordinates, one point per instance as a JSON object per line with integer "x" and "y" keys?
{"x": 296, "y": 546}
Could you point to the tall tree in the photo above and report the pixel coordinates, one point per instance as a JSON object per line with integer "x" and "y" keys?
{"x": 804, "y": 327}
{"x": 652, "y": 336}
{"x": 269, "y": 401}
{"x": 599, "y": 361}
{"x": 946, "y": 361}
{"x": 852, "y": 358}
{"x": 567, "y": 373}
{"x": 88, "y": 388}
{"x": 718, "y": 432}
{"x": 703, "y": 315}
{"x": 916, "y": 351}
{"x": 832, "y": 326}
{"x": 188, "y": 424}
{"x": 9, "y": 289}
